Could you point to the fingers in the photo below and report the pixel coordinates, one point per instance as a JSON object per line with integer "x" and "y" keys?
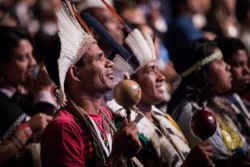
{"x": 45, "y": 119}
{"x": 38, "y": 122}
{"x": 200, "y": 154}
{"x": 206, "y": 146}
{"x": 209, "y": 155}
{"x": 48, "y": 118}
{"x": 133, "y": 149}
{"x": 207, "y": 150}
{"x": 129, "y": 125}
{"x": 125, "y": 122}
{"x": 126, "y": 141}
{"x": 205, "y": 143}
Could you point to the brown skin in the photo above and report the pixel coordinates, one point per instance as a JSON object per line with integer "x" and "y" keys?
{"x": 240, "y": 71}
{"x": 111, "y": 24}
{"x": 37, "y": 124}
{"x": 192, "y": 7}
{"x": 134, "y": 15}
{"x": 200, "y": 155}
{"x": 127, "y": 138}
{"x": 151, "y": 82}
{"x": 150, "y": 79}
{"x": 196, "y": 6}
{"x": 16, "y": 73}
{"x": 19, "y": 68}
{"x": 86, "y": 85}
{"x": 219, "y": 75}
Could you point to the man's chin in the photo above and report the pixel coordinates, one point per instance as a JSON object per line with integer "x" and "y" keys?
{"x": 158, "y": 100}
{"x": 111, "y": 86}
{"x": 108, "y": 88}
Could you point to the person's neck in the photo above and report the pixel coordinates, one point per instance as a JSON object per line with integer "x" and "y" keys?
{"x": 146, "y": 110}
{"x": 88, "y": 103}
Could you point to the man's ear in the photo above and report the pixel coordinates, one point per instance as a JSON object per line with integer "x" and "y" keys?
{"x": 74, "y": 74}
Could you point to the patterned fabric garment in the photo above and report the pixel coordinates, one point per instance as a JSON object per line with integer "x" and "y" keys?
{"x": 225, "y": 116}
{"x": 183, "y": 114}
{"x": 17, "y": 109}
{"x": 11, "y": 116}
{"x": 241, "y": 110}
{"x": 157, "y": 149}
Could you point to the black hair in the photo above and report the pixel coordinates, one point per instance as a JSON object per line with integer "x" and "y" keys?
{"x": 242, "y": 6}
{"x": 51, "y": 57}
{"x": 9, "y": 40}
{"x": 192, "y": 52}
{"x": 175, "y": 5}
{"x": 52, "y": 67}
{"x": 53, "y": 53}
{"x": 229, "y": 46}
{"x": 196, "y": 85}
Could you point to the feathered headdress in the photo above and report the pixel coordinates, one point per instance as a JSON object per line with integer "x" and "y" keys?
{"x": 87, "y": 4}
{"x": 75, "y": 40}
{"x": 125, "y": 62}
{"x": 141, "y": 45}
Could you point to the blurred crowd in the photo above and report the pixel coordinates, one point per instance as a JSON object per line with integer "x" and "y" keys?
{"x": 201, "y": 49}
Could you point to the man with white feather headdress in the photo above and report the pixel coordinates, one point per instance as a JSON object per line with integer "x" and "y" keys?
{"x": 81, "y": 133}
{"x": 163, "y": 143}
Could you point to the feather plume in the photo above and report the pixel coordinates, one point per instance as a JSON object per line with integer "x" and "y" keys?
{"x": 74, "y": 42}
{"x": 150, "y": 43}
{"x": 120, "y": 68}
{"x": 140, "y": 48}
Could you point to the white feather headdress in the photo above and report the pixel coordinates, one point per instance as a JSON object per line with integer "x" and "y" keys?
{"x": 74, "y": 43}
{"x": 121, "y": 68}
{"x": 142, "y": 47}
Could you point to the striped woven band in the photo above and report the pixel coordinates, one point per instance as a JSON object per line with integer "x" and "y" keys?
{"x": 201, "y": 63}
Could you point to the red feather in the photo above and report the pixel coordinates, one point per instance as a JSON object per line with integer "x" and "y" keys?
{"x": 112, "y": 10}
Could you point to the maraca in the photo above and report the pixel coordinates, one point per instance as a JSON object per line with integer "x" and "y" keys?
{"x": 203, "y": 125}
{"x": 127, "y": 93}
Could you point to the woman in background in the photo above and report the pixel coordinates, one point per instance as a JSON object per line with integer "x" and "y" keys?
{"x": 25, "y": 100}
{"x": 205, "y": 74}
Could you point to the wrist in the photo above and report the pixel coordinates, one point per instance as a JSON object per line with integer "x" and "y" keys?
{"x": 26, "y": 129}
{"x": 16, "y": 142}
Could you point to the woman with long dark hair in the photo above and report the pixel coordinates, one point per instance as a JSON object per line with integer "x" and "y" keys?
{"x": 25, "y": 99}
{"x": 205, "y": 75}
